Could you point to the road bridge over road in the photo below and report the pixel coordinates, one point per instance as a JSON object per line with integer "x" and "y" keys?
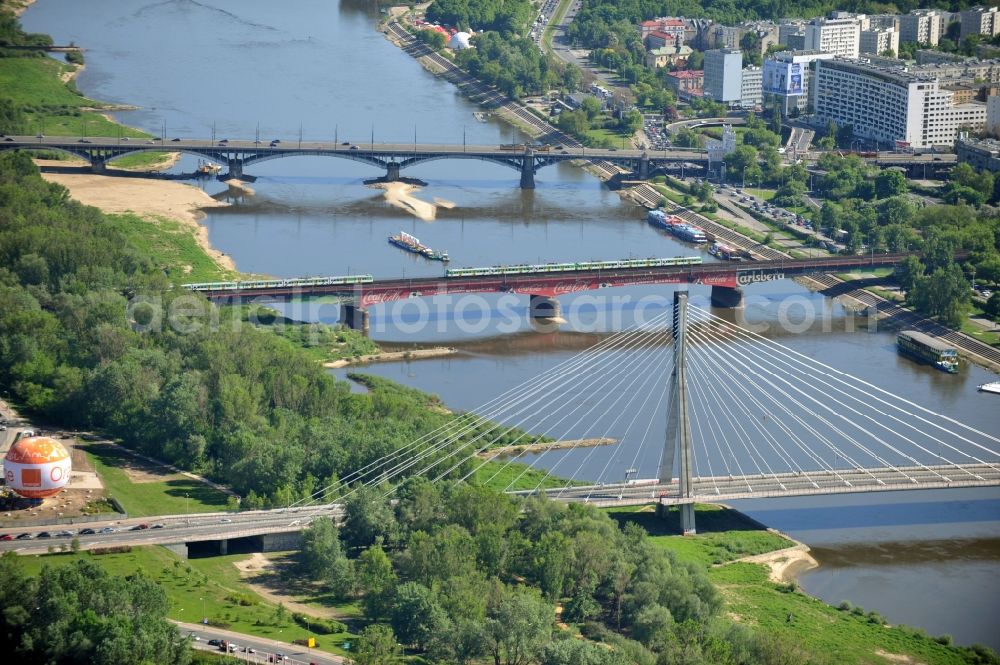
{"x": 527, "y": 159}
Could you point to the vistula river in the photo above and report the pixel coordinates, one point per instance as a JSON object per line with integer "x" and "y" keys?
{"x": 232, "y": 68}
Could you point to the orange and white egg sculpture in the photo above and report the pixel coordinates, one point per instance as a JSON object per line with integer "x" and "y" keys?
{"x": 37, "y": 467}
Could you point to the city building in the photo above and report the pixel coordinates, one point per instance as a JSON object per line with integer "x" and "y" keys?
{"x": 980, "y": 21}
{"x": 840, "y": 36}
{"x": 978, "y": 153}
{"x": 658, "y": 39}
{"x": 726, "y": 36}
{"x": 787, "y": 77}
{"x": 724, "y": 75}
{"x": 717, "y": 150}
{"x": 751, "y": 80}
{"x": 968, "y": 70}
{"x": 879, "y": 40}
{"x": 667, "y": 56}
{"x": 686, "y": 83}
{"x": 891, "y": 106}
{"x": 672, "y": 27}
{"x": 993, "y": 115}
{"x": 882, "y": 22}
{"x": 792, "y": 34}
{"x": 924, "y": 26}
{"x": 926, "y": 56}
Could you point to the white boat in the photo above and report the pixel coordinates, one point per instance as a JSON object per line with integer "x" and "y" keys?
{"x": 990, "y": 388}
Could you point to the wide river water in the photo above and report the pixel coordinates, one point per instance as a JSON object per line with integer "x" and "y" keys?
{"x": 928, "y": 558}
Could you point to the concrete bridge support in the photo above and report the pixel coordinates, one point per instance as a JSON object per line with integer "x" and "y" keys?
{"x": 235, "y": 169}
{"x": 727, "y": 297}
{"x": 528, "y": 172}
{"x": 644, "y": 167}
{"x": 97, "y": 165}
{"x": 546, "y": 309}
{"x": 354, "y": 317}
{"x": 392, "y": 172}
{"x": 677, "y": 445}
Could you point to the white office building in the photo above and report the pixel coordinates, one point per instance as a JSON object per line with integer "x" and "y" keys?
{"x": 924, "y": 26}
{"x": 787, "y": 79}
{"x": 891, "y": 106}
{"x": 751, "y": 96}
{"x": 878, "y": 41}
{"x": 839, "y": 36}
{"x": 724, "y": 75}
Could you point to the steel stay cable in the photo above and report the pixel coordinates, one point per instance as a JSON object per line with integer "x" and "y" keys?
{"x": 823, "y": 420}
{"x": 835, "y": 374}
{"x": 573, "y": 362}
{"x": 795, "y": 373}
{"x": 649, "y": 376}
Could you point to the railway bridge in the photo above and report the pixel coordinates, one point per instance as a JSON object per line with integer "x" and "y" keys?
{"x": 542, "y": 283}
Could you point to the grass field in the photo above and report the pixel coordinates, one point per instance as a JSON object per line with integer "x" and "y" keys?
{"x": 201, "y": 588}
{"x": 777, "y": 609}
{"x": 517, "y": 476}
{"x": 723, "y": 535}
{"x": 172, "y": 245}
{"x": 175, "y": 494}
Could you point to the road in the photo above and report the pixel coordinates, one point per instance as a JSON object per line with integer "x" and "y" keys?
{"x": 175, "y": 529}
{"x": 264, "y": 649}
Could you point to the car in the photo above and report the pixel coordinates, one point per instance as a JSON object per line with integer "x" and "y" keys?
{"x": 194, "y": 637}
{"x": 225, "y": 520}
{"x": 64, "y": 534}
{"x": 84, "y": 141}
{"x": 150, "y": 142}
{"x": 107, "y": 529}
{"x": 214, "y": 643}
{"x": 40, "y": 136}
{"x": 354, "y": 147}
{"x": 87, "y": 532}
{"x": 157, "y": 138}
{"x": 249, "y": 650}
{"x": 3, "y": 428}
{"x": 24, "y": 536}
{"x": 175, "y": 139}
{"x": 7, "y": 536}
{"x": 273, "y": 144}
{"x": 345, "y": 143}
{"x": 223, "y": 143}
{"x": 44, "y": 534}
{"x": 156, "y": 526}
{"x": 233, "y": 648}
{"x": 124, "y": 138}
{"x": 276, "y": 141}
{"x": 8, "y": 139}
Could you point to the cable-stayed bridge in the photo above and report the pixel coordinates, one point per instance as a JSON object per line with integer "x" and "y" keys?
{"x": 703, "y": 410}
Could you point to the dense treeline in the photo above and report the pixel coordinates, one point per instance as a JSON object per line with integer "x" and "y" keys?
{"x": 463, "y": 574}
{"x": 505, "y": 16}
{"x": 171, "y": 375}
{"x": 82, "y": 614}
{"x": 516, "y": 66}
{"x": 11, "y": 34}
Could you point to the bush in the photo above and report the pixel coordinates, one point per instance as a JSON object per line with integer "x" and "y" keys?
{"x": 242, "y": 599}
{"x": 116, "y": 549}
{"x": 219, "y": 623}
{"x": 318, "y": 625}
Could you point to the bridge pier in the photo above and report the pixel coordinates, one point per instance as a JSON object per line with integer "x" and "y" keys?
{"x": 235, "y": 169}
{"x": 354, "y": 317}
{"x": 528, "y": 172}
{"x": 644, "y": 167}
{"x": 727, "y": 297}
{"x": 97, "y": 165}
{"x": 392, "y": 172}
{"x": 545, "y": 309}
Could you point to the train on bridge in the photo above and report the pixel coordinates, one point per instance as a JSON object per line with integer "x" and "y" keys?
{"x": 347, "y": 280}
{"x": 524, "y": 269}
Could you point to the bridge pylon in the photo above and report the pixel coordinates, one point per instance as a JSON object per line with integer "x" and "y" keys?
{"x": 677, "y": 445}
{"x": 528, "y": 169}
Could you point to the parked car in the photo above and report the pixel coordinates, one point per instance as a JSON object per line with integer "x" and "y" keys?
{"x": 87, "y": 532}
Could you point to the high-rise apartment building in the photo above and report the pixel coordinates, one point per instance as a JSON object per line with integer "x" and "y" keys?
{"x": 980, "y": 21}
{"x": 840, "y": 36}
{"x": 724, "y": 75}
{"x": 878, "y": 41}
{"x": 924, "y": 26}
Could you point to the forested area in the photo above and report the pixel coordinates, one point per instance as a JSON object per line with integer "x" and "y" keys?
{"x": 504, "y": 16}
{"x": 463, "y": 574}
{"x": 82, "y": 614}
{"x": 173, "y": 376}
{"x": 516, "y": 66}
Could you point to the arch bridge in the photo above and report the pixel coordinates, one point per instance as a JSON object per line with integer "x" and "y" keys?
{"x": 527, "y": 159}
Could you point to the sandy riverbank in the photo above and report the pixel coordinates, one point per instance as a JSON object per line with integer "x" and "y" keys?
{"x": 147, "y": 198}
{"x": 401, "y": 195}
{"x": 787, "y": 564}
{"x": 389, "y": 356}
{"x": 542, "y": 447}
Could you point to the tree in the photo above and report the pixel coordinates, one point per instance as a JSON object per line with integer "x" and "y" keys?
{"x": 518, "y": 627}
{"x": 368, "y": 517}
{"x": 945, "y": 293}
{"x": 436, "y": 40}
{"x": 591, "y": 106}
{"x": 992, "y": 306}
{"x": 416, "y": 616}
{"x": 889, "y": 182}
{"x": 652, "y": 625}
{"x": 378, "y": 581}
{"x": 376, "y": 645}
